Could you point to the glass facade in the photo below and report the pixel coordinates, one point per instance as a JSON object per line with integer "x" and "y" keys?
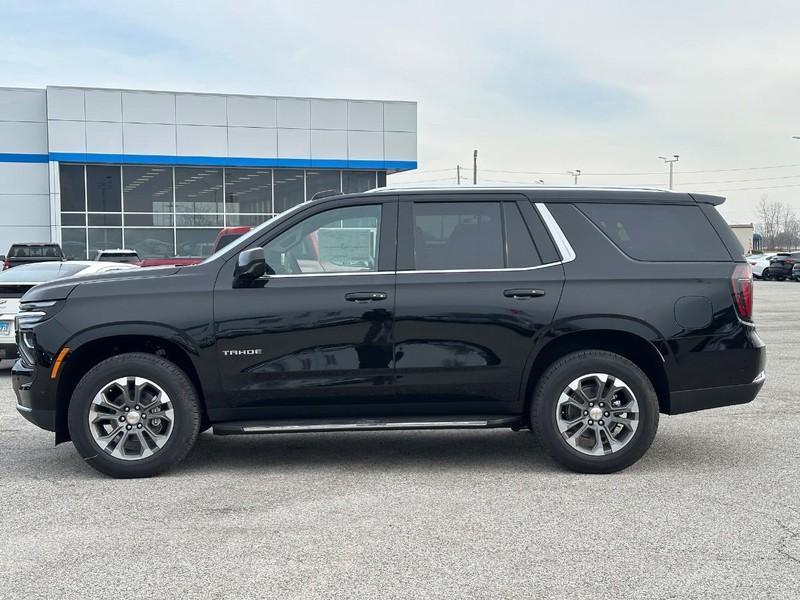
{"x": 164, "y": 211}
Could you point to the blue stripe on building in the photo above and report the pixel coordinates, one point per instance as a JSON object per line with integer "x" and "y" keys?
{"x": 209, "y": 161}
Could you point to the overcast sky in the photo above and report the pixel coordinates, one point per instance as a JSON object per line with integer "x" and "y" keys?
{"x": 538, "y": 87}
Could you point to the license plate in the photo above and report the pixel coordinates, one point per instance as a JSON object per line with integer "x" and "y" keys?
{"x": 4, "y": 327}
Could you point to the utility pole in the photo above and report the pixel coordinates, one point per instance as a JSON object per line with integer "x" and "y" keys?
{"x": 458, "y": 174}
{"x": 475, "y": 168}
{"x": 671, "y": 162}
{"x": 576, "y": 173}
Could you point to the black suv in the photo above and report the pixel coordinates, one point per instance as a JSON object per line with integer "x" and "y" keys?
{"x": 579, "y": 313}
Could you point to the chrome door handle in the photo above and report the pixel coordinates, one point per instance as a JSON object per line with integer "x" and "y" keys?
{"x": 523, "y": 293}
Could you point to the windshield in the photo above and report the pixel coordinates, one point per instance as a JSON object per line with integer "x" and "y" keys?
{"x": 40, "y": 272}
{"x": 255, "y": 232}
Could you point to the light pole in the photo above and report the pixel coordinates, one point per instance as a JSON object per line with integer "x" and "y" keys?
{"x": 671, "y": 162}
{"x": 475, "y": 168}
{"x": 576, "y": 173}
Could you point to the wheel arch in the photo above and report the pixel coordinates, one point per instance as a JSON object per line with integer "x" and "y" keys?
{"x": 90, "y": 349}
{"x": 633, "y": 346}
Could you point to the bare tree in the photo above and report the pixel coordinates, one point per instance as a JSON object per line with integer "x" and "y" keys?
{"x": 778, "y": 224}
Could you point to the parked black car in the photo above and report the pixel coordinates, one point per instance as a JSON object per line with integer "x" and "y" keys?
{"x": 579, "y": 313}
{"x": 780, "y": 267}
{"x": 32, "y": 252}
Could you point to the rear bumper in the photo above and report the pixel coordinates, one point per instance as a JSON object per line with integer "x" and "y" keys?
{"x": 716, "y": 397}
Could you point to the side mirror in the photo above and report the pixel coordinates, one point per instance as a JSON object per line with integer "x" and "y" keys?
{"x": 250, "y": 265}
{"x": 2, "y": 257}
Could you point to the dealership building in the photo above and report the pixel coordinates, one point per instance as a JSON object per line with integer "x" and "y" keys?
{"x": 162, "y": 172}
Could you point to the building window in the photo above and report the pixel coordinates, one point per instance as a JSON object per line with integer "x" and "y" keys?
{"x": 195, "y": 242}
{"x": 147, "y": 189}
{"x": 354, "y": 182}
{"x": 322, "y": 181}
{"x": 73, "y": 191}
{"x": 153, "y": 208}
{"x": 151, "y": 242}
{"x": 251, "y": 220}
{"x": 248, "y": 191}
{"x": 103, "y": 239}
{"x": 289, "y": 189}
{"x": 73, "y": 242}
{"x": 198, "y": 190}
{"x": 103, "y": 191}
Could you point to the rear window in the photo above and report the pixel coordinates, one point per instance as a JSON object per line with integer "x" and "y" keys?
{"x": 34, "y": 251}
{"x": 658, "y": 232}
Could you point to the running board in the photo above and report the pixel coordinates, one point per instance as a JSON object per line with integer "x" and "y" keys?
{"x": 372, "y": 424}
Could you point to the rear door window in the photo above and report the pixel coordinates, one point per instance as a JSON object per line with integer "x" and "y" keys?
{"x": 458, "y": 235}
{"x": 474, "y": 235}
{"x": 658, "y": 232}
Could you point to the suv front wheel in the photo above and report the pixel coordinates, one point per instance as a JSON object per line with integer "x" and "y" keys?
{"x": 134, "y": 415}
{"x": 595, "y": 411}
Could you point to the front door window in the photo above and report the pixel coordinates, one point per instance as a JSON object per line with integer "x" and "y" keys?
{"x": 341, "y": 240}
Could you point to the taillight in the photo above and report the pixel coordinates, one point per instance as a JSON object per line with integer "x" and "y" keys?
{"x": 742, "y": 291}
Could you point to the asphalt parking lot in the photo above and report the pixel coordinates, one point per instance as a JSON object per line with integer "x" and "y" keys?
{"x": 713, "y": 510}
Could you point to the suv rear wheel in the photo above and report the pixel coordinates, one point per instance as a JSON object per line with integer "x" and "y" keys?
{"x": 134, "y": 415}
{"x": 595, "y": 411}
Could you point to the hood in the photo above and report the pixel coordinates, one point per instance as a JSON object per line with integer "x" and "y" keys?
{"x": 60, "y": 289}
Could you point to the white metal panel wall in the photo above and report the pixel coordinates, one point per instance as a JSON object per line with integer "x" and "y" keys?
{"x": 129, "y": 122}
{"x": 24, "y": 186}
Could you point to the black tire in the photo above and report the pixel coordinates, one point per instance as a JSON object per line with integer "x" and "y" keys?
{"x": 765, "y": 274}
{"x": 553, "y": 382}
{"x": 185, "y": 403}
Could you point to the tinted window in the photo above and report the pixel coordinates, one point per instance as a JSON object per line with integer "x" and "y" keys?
{"x": 341, "y": 240}
{"x": 151, "y": 242}
{"x": 248, "y": 190}
{"x": 521, "y": 251}
{"x": 198, "y": 191}
{"x": 458, "y": 235}
{"x": 289, "y": 189}
{"x": 34, "y": 251}
{"x": 73, "y": 196}
{"x": 658, "y": 232}
{"x": 101, "y": 238}
{"x": 354, "y": 182}
{"x": 147, "y": 189}
{"x": 322, "y": 181}
{"x": 103, "y": 189}
{"x": 73, "y": 241}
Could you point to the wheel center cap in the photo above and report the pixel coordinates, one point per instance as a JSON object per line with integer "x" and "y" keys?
{"x": 133, "y": 417}
{"x": 594, "y": 413}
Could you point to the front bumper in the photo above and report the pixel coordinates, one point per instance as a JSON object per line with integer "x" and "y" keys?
{"x": 22, "y": 379}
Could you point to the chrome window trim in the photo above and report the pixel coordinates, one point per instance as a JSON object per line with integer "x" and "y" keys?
{"x": 500, "y": 270}
{"x": 561, "y": 241}
{"x": 290, "y": 275}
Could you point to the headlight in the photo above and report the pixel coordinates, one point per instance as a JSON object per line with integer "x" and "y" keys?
{"x": 30, "y": 314}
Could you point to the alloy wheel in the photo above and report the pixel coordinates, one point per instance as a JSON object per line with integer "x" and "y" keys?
{"x": 597, "y": 414}
{"x": 131, "y": 418}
